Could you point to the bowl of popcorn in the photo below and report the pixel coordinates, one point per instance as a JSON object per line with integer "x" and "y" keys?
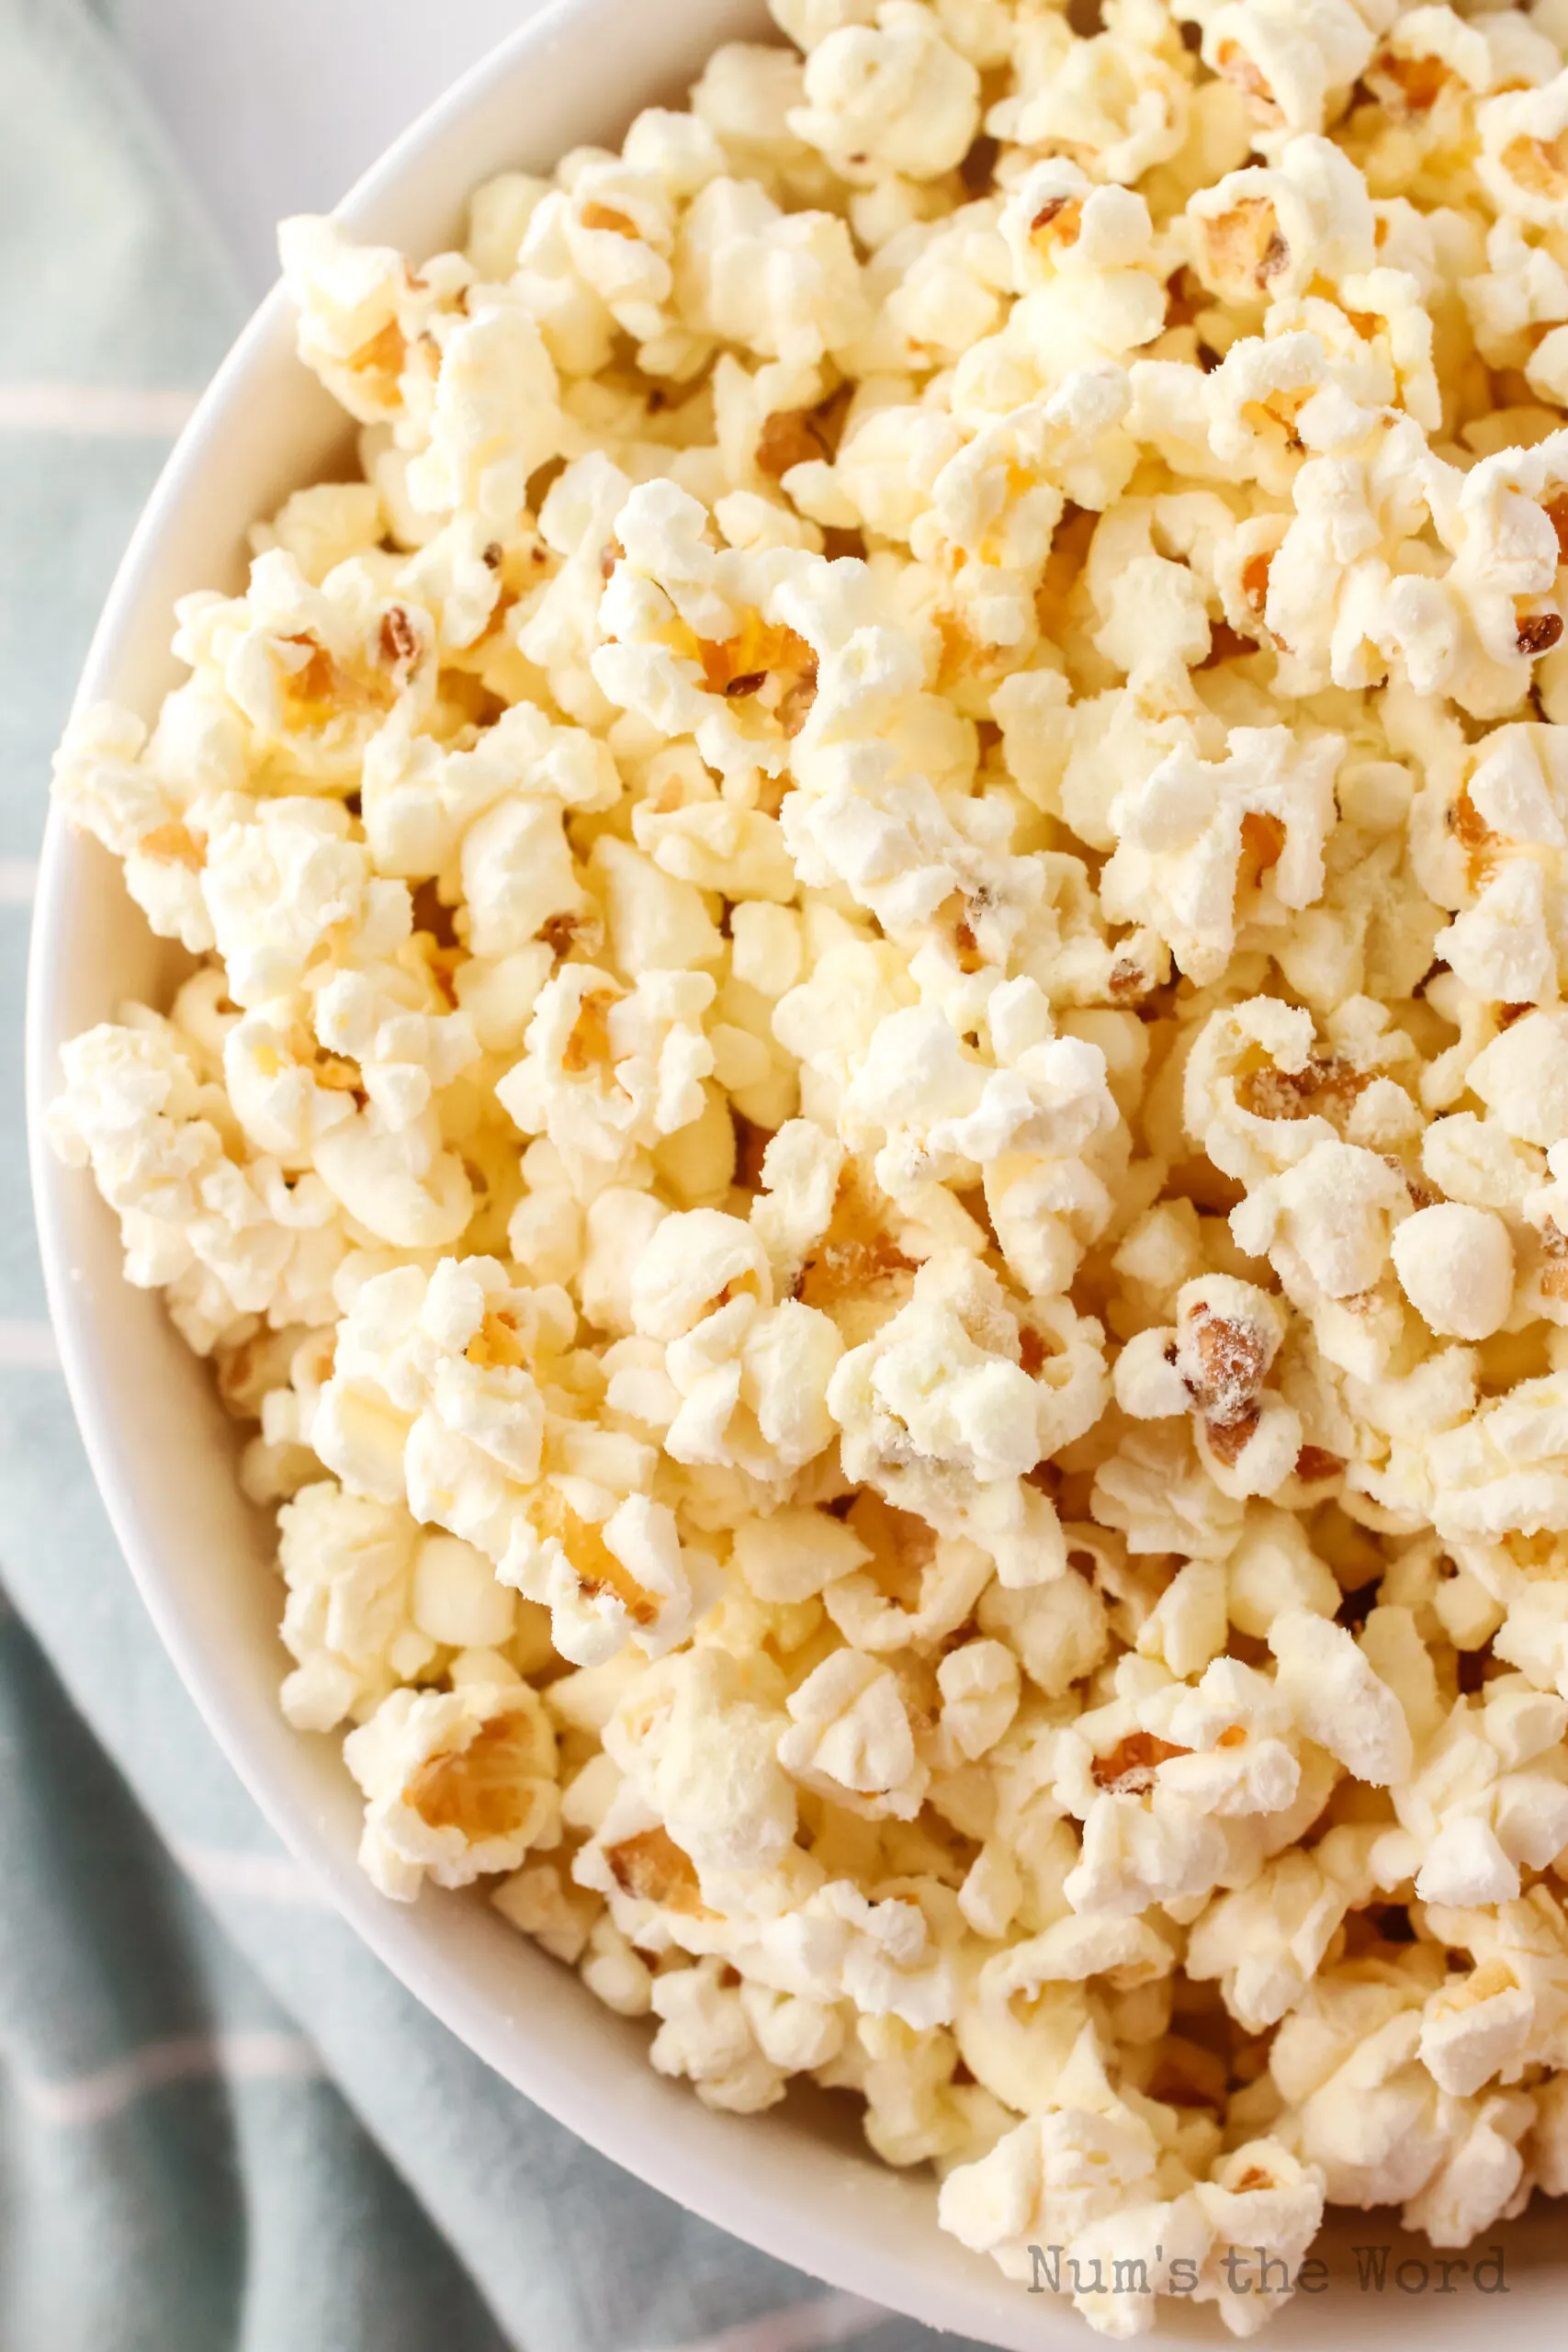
{"x": 810, "y": 905}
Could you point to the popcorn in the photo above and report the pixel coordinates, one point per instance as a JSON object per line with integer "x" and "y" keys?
{"x": 609, "y": 1069}
{"x": 1118, "y": 102}
{"x": 309, "y": 672}
{"x": 361, "y": 311}
{"x": 1192, "y": 841}
{"x": 783, "y": 284}
{"x": 934, "y": 1583}
{"x": 1338, "y": 1700}
{"x": 1289, "y": 62}
{"x": 240, "y": 1237}
{"x": 1264, "y": 232}
{"x": 432, "y": 1394}
{"x": 937, "y": 1411}
{"x": 457, "y": 1783}
{"x": 1517, "y": 165}
{"x": 1456, "y": 1266}
{"x": 1509, "y": 2011}
{"x": 850, "y": 1739}
{"x": 1215, "y": 1361}
{"x": 350, "y": 1620}
{"x": 1267, "y": 1943}
{"x": 871, "y": 1117}
{"x": 495, "y": 420}
{"x": 103, "y": 775}
{"x": 892, "y": 98}
{"x": 699, "y": 1739}
{"x": 706, "y": 2036}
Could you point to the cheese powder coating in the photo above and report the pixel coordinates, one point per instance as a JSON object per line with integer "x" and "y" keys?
{"x": 872, "y": 1112}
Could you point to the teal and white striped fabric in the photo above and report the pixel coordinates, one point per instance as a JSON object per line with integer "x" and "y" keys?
{"x": 221, "y": 2123}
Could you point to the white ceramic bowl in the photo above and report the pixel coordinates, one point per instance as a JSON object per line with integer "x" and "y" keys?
{"x": 799, "y": 2182}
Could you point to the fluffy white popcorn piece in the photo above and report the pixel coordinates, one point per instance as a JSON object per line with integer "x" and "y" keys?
{"x": 1155, "y": 1490}
{"x": 1498, "y": 52}
{"x": 610, "y": 1070}
{"x": 494, "y": 421}
{"x": 1261, "y": 2199}
{"x": 980, "y": 1692}
{"x": 1088, "y": 2180}
{"x": 1266, "y": 1943}
{"x": 698, "y": 1736}
{"x": 457, "y": 1599}
{"x": 782, "y": 285}
{"x": 1456, "y": 1266}
{"x": 1261, "y": 1090}
{"x": 107, "y": 779}
{"x": 311, "y": 673}
{"x": 749, "y": 1382}
{"x": 1325, "y": 1226}
{"x": 433, "y": 1393}
{"x": 1213, "y": 1363}
{"x": 360, "y": 310}
{"x": 1481, "y": 1807}
{"x": 610, "y": 1568}
{"x": 1504, "y": 1469}
{"x": 692, "y": 1266}
{"x": 1523, "y": 287}
{"x": 1272, "y": 1569}
{"x": 1118, "y": 103}
{"x": 1522, "y": 1077}
{"x": 1290, "y": 62}
{"x": 1338, "y": 1700}
{"x": 850, "y": 1739}
{"x": 458, "y": 1784}
{"x": 278, "y": 881}
{"x": 764, "y": 655}
{"x": 235, "y": 1233}
{"x": 1204, "y": 850}
{"x": 1374, "y": 2120}
{"x": 793, "y": 1554}
{"x": 612, "y": 230}
{"x": 885, "y": 1955}
{"x": 705, "y": 2035}
{"x": 1519, "y": 162}
{"x": 1510, "y": 2009}
{"x": 907, "y": 851}
{"x": 907, "y": 1589}
{"x": 421, "y": 802}
{"x": 938, "y": 1413}
{"x": 540, "y": 1903}
{"x": 1034, "y": 1127}
{"x": 889, "y": 96}
{"x": 349, "y": 1621}
{"x": 1263, "y": 232}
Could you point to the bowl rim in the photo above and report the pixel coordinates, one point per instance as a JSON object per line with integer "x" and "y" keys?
{"x": 703, "y": 2178}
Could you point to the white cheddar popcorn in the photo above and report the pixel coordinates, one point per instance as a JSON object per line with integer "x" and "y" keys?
{"x": 350, "y": 1620}
{"x": 237, "y": 1236}
{"x": 1200, "y": 847}
{"x": 610, "y": 1068}
{"x": 457, "y": 1783}
{"x": 850, "y": 1739}
{"x": 938, "y": 1413}
{"x": 1456, "y": 1267}
{"x": 867, "y": 1109}
{"x": 889, "y": 97}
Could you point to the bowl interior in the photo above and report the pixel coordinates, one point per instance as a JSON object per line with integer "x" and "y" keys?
{"x": 799, "y": 2183}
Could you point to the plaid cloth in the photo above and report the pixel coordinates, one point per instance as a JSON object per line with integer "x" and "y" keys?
{"x": 222, "y": 2122}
